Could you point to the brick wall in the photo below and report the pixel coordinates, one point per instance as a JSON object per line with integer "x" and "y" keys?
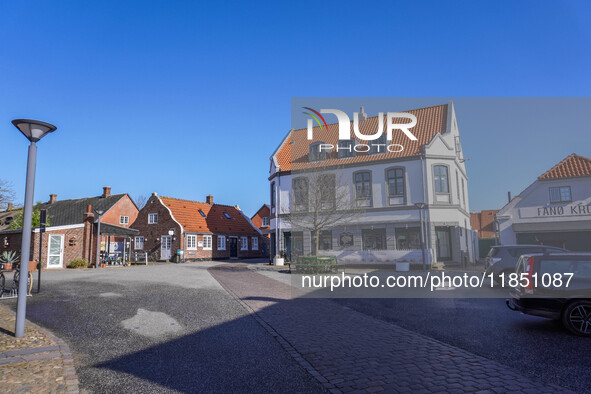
{"x": 257, "y": 219}
{"x": 124, "y": 207}
{"x": 152, "y": 232}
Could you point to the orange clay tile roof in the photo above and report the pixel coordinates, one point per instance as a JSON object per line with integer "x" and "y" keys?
{"x": 186, "y": 212}
{"x": 293, "y": 154}
{"x": 572, "y": 166}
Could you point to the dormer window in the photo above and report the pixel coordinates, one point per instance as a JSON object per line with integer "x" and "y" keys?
{"x": 202, "y": 213}
{"x": 378, "y": 146}
{"x": 317, "y": 153}
{"x": 345, "y": 149}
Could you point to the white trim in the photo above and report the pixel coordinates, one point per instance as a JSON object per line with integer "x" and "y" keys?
{"x": 170, "y": 212}
{"x": 194, "y": 236}
{"x": 57, "y": 228}
{"x": 254, "y": 245}
{"x": 210, "y": 237}
{"x": 242, "y": 238}
{"x": 150, "y": 215}
{"x": 61, "y": 264}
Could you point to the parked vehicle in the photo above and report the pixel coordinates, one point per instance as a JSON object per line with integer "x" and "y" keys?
{"x": 502, "y": 259}
{"x": 555, "y": 286}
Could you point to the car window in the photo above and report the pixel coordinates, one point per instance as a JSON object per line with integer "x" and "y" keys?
{"x": 520, "y": 267}
{"x": 514, "y": 252}
{"x": 583, "y": 269}
{"x": 557, "y": 266}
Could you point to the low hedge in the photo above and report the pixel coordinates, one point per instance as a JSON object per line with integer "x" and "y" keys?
{"x": 78, "y": 263}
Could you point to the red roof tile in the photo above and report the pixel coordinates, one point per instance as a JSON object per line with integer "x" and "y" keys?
{"x": 572, "y": 166}
{"x": 186, "y": 212}
{"x": 293, "y": 154}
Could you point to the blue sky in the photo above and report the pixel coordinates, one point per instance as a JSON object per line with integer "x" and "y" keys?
{"x": 191, "y": 98}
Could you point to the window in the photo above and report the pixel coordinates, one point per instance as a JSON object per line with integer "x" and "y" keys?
{"x": 123, "y": 219}
{"x": 440, "y": 174}
{"x": 326, "y": 187}
{"x": 266, "y": 221}
{"x": 458, "y": 186}
{"x": 362, "y": 185}
{"x": 202, "y": 213}
{"x": 152, "y": 218}
{"x": 395, "y": 179}
{"x": 243, "y": 243}
{"x": 378, "y": 146}
{"x": 191, "y": 242}
{"x": 273, "y": 195}
{"x": 255, "y": 243}
{"x": 345, "y": 149}
{"x": 325, "y": 241}
{"x": 408, "y": 238}
{"x": 221, "y": 242}
{"x": 300, "y": 194}
{"x": 139, "y": 243}
{"x": 207, "y": 242}
{"x": 560, "y": 194}
{"x": 316, "y": 153}
{"x": 227, "y": 216}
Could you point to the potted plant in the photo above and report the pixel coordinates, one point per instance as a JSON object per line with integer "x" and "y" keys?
{"x": 8, "y": 259}
{"x": 402, "y": 265}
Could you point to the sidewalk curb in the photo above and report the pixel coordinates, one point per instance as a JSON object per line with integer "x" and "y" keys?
{"x": 71, "y": 377}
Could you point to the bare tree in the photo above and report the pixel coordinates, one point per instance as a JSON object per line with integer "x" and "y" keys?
{"x": 140, "y": 200}
{"x": 320, "y": 201}
{"x": 6, "y": 193}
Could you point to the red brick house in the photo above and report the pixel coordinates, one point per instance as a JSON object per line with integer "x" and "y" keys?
{"x": 199, "y": 230}
{"x": 483, "y": 222}
{"x": 262, "y": 218}
{"x": 72, "y": 230}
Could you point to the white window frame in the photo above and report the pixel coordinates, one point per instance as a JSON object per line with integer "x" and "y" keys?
{"x": 123, "y": 219}
{"x": 254, "y": 243}
{"x": 243, "y": 243}
{"x": 136, "y": 243}
{"x": 221, "y": 242}
{"x": 207, "y": 242}
{"x": 152, "y": 218}
{"x": 266, "y": 221}
{"x": 191, "y": 242}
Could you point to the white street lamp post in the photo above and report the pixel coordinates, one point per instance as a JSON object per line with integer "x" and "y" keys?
{"x": 34, "y": 130}
{"x": 421, "y": 205}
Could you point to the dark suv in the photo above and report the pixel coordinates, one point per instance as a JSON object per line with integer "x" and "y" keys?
{"x": 555, "y": 286}
{"x": 502, "y": 258}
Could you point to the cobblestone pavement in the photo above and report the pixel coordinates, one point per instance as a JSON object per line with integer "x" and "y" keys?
{"x": 39, "y": 362}
{"x": 348, "y": 351}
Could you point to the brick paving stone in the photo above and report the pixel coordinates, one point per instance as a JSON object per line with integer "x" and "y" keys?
{"x": 332, "y": 340}
{"x": 35, "y": 363}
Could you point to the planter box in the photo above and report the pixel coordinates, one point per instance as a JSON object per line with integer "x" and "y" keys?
{"x": 278, "y": 261}
{"x": 403, "y": 267}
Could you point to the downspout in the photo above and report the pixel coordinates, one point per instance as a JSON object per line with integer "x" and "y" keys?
{"x": 277, "y": 205}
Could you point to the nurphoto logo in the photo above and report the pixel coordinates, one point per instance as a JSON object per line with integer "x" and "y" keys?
{"x": 345, "y": 130}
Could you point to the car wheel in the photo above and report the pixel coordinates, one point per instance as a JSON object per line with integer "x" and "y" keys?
{"x": 577, "y": 317}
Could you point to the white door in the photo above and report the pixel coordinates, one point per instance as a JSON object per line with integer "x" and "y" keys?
{"x": 165, "y": 247}
{"x": 55, "y": 251}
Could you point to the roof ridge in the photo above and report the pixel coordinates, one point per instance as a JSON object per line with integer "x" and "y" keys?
{"x": 371, "y": 117}
{"x": 562, "y": 163}
{"x": 199, "y": 202}
{"x": 83, "y": 198}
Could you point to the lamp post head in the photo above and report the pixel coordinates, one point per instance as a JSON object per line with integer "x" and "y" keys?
{"x": 34, "y": 130}
{"x": 420, "y": 205}
{"x": 99, "y": 212}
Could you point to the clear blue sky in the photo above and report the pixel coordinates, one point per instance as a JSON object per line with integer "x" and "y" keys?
{"x": 191, "y": 98}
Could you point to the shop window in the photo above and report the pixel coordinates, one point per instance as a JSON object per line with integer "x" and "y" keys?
{"x": 408, "y": 238}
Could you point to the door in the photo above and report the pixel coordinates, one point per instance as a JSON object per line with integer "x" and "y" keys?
{"x": 233, "y": 248}
{"x": 55, "y": 251}
{"x": 443, "y": 243}
{"x": 165, "y": 247}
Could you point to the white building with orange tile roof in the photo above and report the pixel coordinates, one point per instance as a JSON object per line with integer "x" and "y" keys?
{"x": 385, "y": 185}
{"x": 554, "y": 210}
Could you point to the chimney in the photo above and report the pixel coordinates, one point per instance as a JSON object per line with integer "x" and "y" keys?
{"x": 88, "y": 214}
{"x": 9, "y": 207}
{"x": 52, "y": 198}
{"x": 209, "y": 199}
{"x": 106, "y": 192}
{"x": 362, "y": 114}
{"x": 237, "y": 207}
{"x": 509, "y": 196}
